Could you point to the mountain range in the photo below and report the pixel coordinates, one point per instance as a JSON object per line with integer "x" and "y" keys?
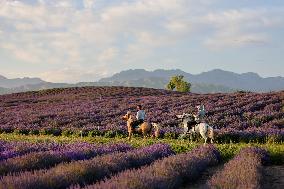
{"x": 206, "y": 82}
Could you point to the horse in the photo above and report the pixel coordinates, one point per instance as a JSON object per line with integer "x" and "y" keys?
{"x": 145, "y": 128}
{"x": 205, "y": 130}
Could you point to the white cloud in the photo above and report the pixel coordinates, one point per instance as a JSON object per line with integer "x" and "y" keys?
{"x": 225, "y": 40}
{"x": 75, "y": 74}
{"x": 89, "y": 3}
{"x": 238, "y": 28}
{"x": 178, "y": 26}
{"x": 108, "y": 55}
{"x": 59, "y": 33}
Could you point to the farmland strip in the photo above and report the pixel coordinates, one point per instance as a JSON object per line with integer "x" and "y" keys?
{"x": 76, "y": 151}
{"x": 86, "y": 171}
{"x": 243, "y": 171}
{"x": 169, "y": 172}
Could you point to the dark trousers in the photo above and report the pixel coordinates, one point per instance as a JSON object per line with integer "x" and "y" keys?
{"x": 136, "y": 123}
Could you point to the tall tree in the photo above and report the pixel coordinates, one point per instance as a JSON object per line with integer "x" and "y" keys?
{"x": 177, "y": 82}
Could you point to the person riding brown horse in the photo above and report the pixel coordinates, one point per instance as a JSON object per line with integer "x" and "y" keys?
{"x": 145, "y": 127}
{"x": 140, "y": 117}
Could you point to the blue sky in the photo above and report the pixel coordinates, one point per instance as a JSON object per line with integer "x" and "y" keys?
{"x": 84, "y": 40}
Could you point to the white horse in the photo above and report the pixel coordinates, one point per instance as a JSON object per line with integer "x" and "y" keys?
{"x": 205, "y": 130}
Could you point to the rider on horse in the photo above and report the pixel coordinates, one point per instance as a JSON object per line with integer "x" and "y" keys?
{"x": 199, "y": 117}
{"x": 140, "y": 117}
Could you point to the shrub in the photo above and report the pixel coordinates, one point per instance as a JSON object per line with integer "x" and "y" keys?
{"x": 244, "y": 171}
{"x": 86, "y": 171}
{"x": 170, "y": 172}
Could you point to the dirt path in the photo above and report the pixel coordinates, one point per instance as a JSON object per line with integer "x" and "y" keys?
{"x": 201, "y": 181}
{"x": 273, "y": 177}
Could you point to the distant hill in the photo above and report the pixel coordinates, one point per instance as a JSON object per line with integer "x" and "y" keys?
{"x": 217, "y": 78}
{"x": 137, "y": 74}
{"x": 215, "y": 81}
{"x": 18, "y": 82}
{"x": 246, "y": 81}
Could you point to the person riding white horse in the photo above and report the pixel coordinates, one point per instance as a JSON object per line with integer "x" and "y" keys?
{"x": 197, "y": 124}
{"x": 199, "y": 117}
{"x": 188, "y": 120}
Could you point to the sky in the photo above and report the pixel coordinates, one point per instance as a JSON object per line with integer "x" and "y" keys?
{"x": 85, "y": 40}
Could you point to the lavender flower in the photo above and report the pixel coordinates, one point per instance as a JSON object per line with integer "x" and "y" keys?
{"x": 169, "y": 172}
{"x": 69, "y": 111}
{"x": 243, "y": 171}
{"x": 85, "y": 171}
{"x": 67, "y": 153}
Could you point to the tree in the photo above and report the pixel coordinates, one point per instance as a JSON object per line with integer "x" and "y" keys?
{"x": 179, "y": 84}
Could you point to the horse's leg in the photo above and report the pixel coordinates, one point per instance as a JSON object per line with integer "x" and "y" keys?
{"x": 191, "y": 138}
{"x": 212, "y": 136}
{"x": 204, "y": 137}
{"x": 205, "y": 141}
{"x": 143, "y": 130}
{"x": 149, "y": 132}
{"x": 144, "y": 133}
{"x": 203, "y": 134}
{"x": 129, "y": 135}
{"x": 157, "y": 133}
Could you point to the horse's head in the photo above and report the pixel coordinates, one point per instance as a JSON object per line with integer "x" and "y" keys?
{"x": 179, "y": 116}
{"x": 187, "y": 116}
{"x": 127, "y": 116}
{"x": 196, "y": 117}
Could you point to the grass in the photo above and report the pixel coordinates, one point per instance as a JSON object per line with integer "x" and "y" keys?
{"x": 276, "y": 150}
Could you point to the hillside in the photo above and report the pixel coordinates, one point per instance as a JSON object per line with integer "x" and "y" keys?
{"x": 102, "y": 107}
{"x": 215, "y": 81}
{"x": 217, "y": 78}
{"x": 77, "y": 132}
{"x": 18, "y": 82}
{"x": 151, "y": 82}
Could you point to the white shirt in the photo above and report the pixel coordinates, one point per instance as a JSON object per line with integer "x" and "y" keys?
{"x": 201, "y": 111}
{"x": 140, "y": 115}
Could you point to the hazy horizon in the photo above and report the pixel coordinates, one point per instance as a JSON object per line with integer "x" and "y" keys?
{"x": 137, "y": 68}
{"x": 85, "y": 40}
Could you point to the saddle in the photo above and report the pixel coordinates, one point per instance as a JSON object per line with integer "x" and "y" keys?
{"x": 136, "y": 127}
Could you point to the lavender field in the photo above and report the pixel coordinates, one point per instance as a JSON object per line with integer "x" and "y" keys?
{"x": 75, "y": 138}
{"x": 97, "y": 111}
{"x": 161, "y": 165}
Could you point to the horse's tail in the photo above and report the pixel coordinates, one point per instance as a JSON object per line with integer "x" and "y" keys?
{"x": 150, "y": 129}
{"x": 210, "y": 131}
{"x": 157, "y": 129}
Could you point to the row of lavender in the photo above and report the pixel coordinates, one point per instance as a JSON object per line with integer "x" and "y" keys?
{"x": 13, "y": 149}
{"x": 71, "y": 151}
{"x": 86, "y": 171}
{"x": 243, "y": 171}
{"x": 99, "y": 109}
{"x": 170, "y": 172}
{"x": 46, "y": 159}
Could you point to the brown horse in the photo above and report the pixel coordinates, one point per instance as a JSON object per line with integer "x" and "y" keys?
{"x": 145, "y": 128}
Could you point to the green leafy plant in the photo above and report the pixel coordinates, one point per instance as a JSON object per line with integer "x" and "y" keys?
{"x": 177, "y": 82}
